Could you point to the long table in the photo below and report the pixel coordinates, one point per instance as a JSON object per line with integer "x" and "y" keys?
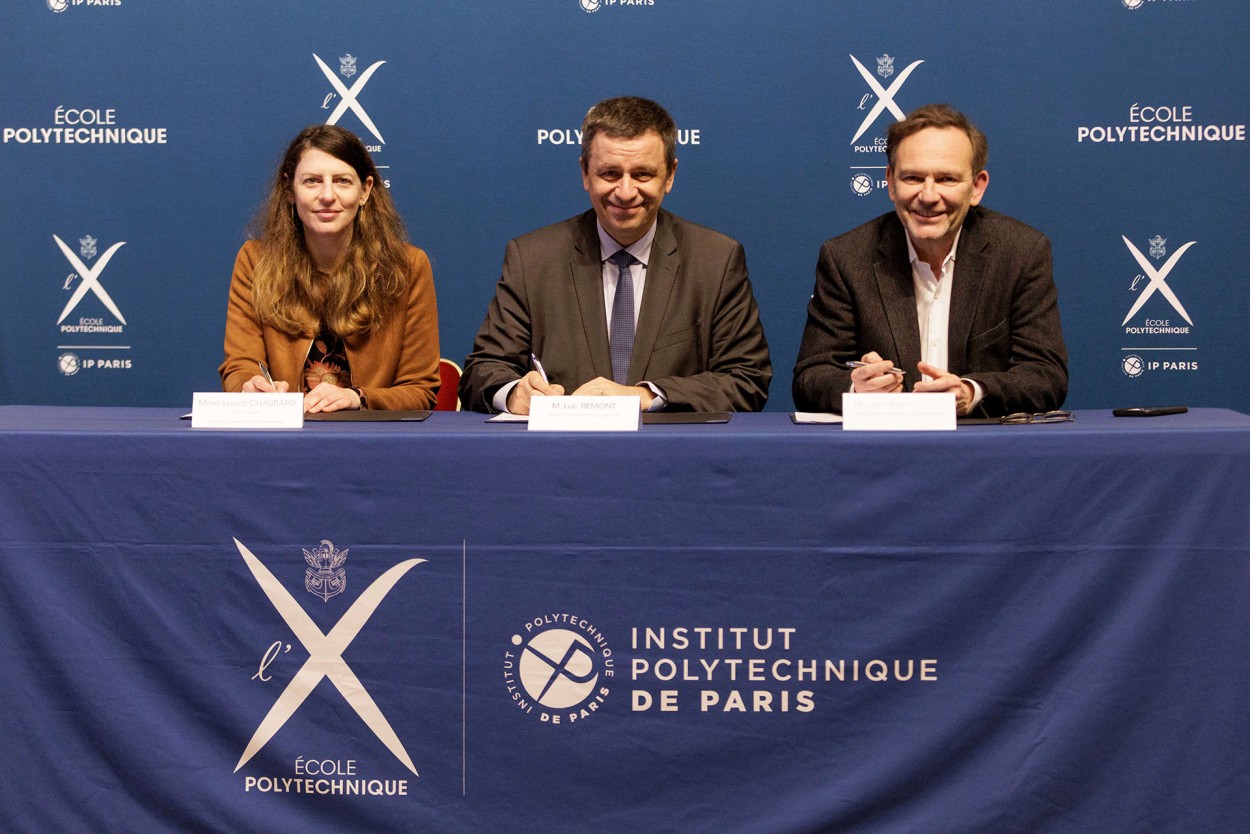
{"x": 759, "y": 626}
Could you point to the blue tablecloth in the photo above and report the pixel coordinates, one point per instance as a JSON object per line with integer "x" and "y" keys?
{"x": 454, "y": 626}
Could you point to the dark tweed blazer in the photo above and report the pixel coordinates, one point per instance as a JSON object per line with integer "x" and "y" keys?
{"x": 1004, "y": 320}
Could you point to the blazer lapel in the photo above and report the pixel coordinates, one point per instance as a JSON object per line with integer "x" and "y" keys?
{"x": 898, "y": 300}
{"x": 971, "y": 262}
{"x": 661, "y": 277}
{"x": 586, "y": 270}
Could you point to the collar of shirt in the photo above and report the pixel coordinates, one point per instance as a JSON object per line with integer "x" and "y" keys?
{"x": 920, "y": 268}
{"x": 641, "y": 250}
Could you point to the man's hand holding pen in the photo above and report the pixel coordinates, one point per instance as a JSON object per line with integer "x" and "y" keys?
{"x": 533, "y": 384}
{"x": 874, "y": 375}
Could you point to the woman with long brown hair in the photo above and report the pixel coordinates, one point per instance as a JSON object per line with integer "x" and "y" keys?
{"x": 331, "y": 297}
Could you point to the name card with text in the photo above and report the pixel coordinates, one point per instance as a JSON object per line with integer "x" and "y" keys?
{"x": 585, "y": 414}
{"x": 898, "y": 412}
{"x": 218, "y": 410}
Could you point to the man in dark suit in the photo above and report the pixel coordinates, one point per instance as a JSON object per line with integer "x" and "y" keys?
{"x": 940, "y": 294}
{"x": 625, "y": 299}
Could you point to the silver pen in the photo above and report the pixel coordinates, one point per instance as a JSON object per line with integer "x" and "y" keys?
{"x": 857, "y": 364}
{"x": 538, "y": 366}
{"x": 268, "y": 378}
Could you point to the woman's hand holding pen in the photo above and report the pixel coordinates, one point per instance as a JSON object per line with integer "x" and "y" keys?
{"x": 258, "y": 384}
{"x": 263, "y": 383}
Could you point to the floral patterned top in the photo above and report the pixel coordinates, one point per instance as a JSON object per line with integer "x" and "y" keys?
{"x": 327, "y": 362}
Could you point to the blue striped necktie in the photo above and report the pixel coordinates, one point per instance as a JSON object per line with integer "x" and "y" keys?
{"x": 621, "y": 339}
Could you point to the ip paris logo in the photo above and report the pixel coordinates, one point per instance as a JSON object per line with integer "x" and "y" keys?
{"x": 592, "y": 6}
{"x": 58, "y": 6}
{"x": 348, "y": 97}
{"x": 325, "y": 578}
{"x": 1134, "y": 5}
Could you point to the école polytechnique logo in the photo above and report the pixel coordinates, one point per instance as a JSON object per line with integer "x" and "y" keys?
{"x": 90, "y": 277}
{"x": 348, "y": 97}
{"x": 885, "y": 96}
{"x": 325, "y": 651}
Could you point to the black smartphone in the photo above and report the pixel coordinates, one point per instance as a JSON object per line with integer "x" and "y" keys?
{"x": 1150, "y": 411}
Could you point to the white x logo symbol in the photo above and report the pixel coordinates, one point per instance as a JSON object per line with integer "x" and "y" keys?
{"x": 325, "y": 657}
{"x": 885, "y": 98}
{"x": 90, "y": 279}
{"x": 1158, "y": 280}
{"x": 348, "y": 97}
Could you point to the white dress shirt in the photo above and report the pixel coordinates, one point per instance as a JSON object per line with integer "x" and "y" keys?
{"x": 933, "y": 309}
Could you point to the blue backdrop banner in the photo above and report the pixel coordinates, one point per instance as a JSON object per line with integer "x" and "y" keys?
{"x": 137, "y": 139}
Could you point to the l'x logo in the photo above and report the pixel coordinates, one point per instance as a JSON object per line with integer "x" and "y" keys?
{"x": 348, "y": 97}
{"x": 325, "y": 657}
{"x": 1158, "y": 280}
{"x": 90, "y": 279}
{"x": 885, "y": 98}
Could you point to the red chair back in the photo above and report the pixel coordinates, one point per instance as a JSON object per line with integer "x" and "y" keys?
{"x": 449, "y": 384}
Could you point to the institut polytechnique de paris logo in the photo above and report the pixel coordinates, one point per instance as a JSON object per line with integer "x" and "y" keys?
{"x": 558, "y": 668}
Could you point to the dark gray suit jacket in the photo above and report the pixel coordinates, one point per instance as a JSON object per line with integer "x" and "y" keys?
{"x": 699, "y": 337}
{"x": 1004, "y": 321}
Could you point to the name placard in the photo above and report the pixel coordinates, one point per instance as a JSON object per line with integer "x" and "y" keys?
{"x": 218, "y": 410}
{"x": 898, "y": 412}
{"x": 585, "y": 414}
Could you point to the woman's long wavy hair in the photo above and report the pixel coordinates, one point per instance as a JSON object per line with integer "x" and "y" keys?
{"x": 370, "y": 279}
